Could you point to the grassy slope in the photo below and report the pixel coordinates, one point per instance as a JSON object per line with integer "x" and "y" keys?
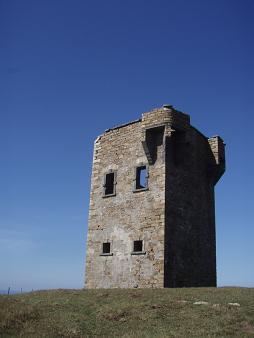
{"x": 129, "y": 313}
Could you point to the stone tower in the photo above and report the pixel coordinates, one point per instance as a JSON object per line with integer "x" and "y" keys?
{"x": 151, "y": 217}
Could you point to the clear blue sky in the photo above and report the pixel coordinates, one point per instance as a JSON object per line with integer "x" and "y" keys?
{"x": 71, "y": 69}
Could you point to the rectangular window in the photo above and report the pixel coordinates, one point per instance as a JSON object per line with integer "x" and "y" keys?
{"x": 141, "y": 178}
{"x": 106, "y": 248}
{"x": 137, "y": 246}
{"x": 110, "y": 184}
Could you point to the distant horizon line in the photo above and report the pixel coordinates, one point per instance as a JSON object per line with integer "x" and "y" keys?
{"x": 12, "y": 292}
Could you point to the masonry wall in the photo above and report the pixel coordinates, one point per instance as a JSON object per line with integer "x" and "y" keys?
{"x": 127, "y": 216}
{"x": 190, "y": 245}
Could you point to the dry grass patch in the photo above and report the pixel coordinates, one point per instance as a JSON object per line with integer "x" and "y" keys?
{"x": 129, "y": 313}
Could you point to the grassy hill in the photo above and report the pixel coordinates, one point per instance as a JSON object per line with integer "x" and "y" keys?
{"x": 129, "y": 313}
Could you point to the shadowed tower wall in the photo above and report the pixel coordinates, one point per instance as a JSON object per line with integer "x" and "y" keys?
{"x": 159, "y": 231}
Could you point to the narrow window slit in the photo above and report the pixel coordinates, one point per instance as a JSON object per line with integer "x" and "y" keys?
{"x": 110, "y": 183}
{"x": 109, "y": 188}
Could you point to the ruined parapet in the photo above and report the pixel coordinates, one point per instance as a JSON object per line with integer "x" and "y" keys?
{"x": 166, "y": 115}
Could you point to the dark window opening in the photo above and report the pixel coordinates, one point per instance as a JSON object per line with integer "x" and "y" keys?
{"x": 141, "y": 177}
{"x": 109, "y": 184}
{"x": 106, "y": 248}
{"x": 137, "y": 246}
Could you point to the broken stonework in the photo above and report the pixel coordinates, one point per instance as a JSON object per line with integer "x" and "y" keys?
{"x": 151, "y": 216}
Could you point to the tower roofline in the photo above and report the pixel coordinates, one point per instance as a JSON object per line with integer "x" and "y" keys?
{"x": 166, "y": 108}
{"x": 122, "y": 125}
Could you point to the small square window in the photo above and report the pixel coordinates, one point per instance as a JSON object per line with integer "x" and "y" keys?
{"x": 106, "y": 248}
{"x": 141, "y": 178}
{"x": 137, "y": 246}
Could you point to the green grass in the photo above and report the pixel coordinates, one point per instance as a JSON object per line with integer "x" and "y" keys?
{"x": 129, "y": 313}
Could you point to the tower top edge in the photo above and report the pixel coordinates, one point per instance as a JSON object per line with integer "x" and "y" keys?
{"x": 166, "y": 108}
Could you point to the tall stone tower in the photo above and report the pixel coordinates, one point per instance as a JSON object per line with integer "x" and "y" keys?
{"x": 151, "y": 217}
